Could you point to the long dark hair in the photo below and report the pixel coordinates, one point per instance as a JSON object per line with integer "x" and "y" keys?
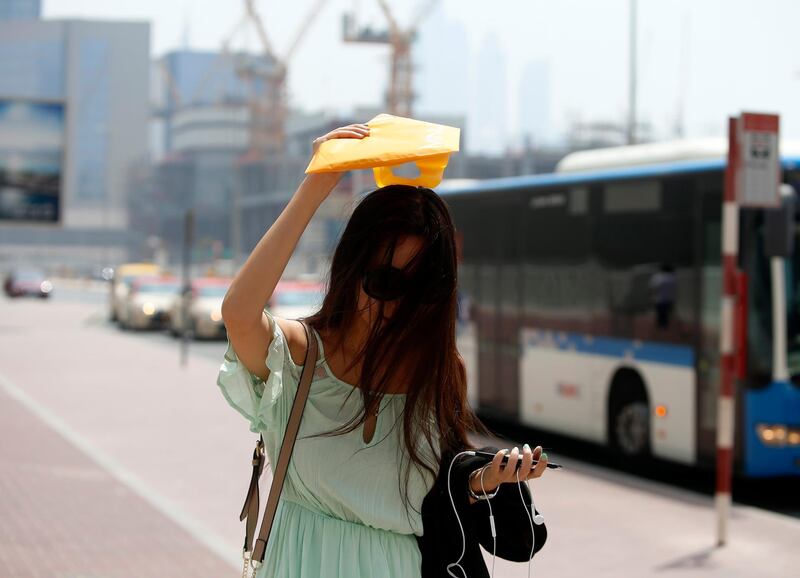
{"x": 420, "y": 335}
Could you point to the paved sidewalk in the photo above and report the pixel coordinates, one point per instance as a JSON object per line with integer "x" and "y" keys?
{"x": 92, "y": 415}
{"x": 164, "y": 431}
{"x": 62, "y": 515}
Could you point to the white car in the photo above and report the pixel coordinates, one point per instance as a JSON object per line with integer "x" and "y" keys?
{"x": 121, "y": 280}
{"x": 296, "y": 299}
{"x": 205, "y": 309}
{"x": 146, "y": 304}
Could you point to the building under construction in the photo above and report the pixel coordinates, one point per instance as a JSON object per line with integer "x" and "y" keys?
{"x": 229, "y": 147}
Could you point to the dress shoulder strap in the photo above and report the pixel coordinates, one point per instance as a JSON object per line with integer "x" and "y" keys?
{"x": 320, "y": 348}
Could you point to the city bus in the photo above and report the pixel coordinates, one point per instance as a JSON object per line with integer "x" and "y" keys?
{"x": 589, "y": 306}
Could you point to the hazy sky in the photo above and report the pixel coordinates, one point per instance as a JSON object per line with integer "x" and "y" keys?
{"x": 716, "y": 57}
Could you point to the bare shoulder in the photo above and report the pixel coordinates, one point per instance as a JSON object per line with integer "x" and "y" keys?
{"x": 295, "y": 337}
{"x": 251, "y": 340}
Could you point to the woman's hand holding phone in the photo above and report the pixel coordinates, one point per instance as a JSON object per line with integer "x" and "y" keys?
{"x": 496, "y": 472}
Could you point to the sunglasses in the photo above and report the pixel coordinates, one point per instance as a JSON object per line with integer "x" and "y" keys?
{"x": 387, "y": 283}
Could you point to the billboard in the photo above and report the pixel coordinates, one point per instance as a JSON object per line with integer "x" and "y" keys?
{"x": 31, "y": 160}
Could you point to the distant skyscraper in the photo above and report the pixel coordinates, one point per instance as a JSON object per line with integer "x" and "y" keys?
{"x": 441, "y": 66}
{"x": 534, "y": 102}
{"x": 487, "y": 124}
{"x": 20, "y": 9}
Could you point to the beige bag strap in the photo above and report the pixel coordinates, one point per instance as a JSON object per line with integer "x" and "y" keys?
{"x": 251, "y": 503}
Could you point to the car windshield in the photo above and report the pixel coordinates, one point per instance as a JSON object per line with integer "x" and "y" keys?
{"x": 30, "y": 275}
{"x": 159, "y": 288}
{"x": 298, "y": 298}
{"x": 213, "y": 291}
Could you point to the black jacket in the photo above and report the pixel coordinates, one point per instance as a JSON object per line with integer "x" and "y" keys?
{"x": 441, "y": 543}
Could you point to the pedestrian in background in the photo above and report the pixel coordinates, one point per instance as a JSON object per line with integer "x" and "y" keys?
{"x": 663, "y": 286}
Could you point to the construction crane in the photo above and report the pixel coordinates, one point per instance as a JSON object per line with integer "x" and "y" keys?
{"x": 270, "y": 109}
{"x": 400, "y": 94}
{"x": 266, "y": 79}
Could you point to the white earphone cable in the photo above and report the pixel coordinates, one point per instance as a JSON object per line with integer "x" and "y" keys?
{"x": 530, "y": 519}
{"x": 538, "y": 518}
{"x": 491, "y": 522}
{"x": 457, "y": 563}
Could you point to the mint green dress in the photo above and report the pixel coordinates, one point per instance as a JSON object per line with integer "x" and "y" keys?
{"x": 341, "y": 513}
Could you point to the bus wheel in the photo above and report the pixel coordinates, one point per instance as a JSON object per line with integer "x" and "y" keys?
{"x": 631, "y": 429}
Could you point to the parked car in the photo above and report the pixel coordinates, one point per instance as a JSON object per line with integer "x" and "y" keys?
{"x": 121, "y": 281}
{"x": 146, "y": 304}
{"x": 205, "y": 308}
{"x": 23, "y": 281}
{"x": 296, "y": 299}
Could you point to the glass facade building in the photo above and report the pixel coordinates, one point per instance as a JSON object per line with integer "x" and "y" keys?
{"x": 20, "y": 9}
{"x": 98, "y": 73}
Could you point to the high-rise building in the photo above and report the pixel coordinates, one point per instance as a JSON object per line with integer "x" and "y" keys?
{"x": 441, "y": 66}
{"x": 534, "y": 102}
{"x": 488, "y": 127}
{"x": 20, "y": 9}
{"x": 74, "y": 93}
{"x": 195, "y": 79}
{"x": 200, "y": 132}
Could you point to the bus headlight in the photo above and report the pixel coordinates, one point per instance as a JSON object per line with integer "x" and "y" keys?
{"x": 778, "y": 435}
{"x": 148, "y": 308}
{"x": 216, "y": 315}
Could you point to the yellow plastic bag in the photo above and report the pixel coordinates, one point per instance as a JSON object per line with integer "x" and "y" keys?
{"x": 392, "y": 141}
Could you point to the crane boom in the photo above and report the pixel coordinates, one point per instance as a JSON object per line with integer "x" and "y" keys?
{"x": 394, "y": 27}
{"x": 258, "y": 24}
{"x": 303, "y": 28}
{"x": 400, "y": 94}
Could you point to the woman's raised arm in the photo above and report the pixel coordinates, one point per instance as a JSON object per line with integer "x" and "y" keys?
{"x": 253, "y": 285}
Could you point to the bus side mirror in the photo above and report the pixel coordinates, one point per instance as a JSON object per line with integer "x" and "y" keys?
{"x": 779, "y": 225}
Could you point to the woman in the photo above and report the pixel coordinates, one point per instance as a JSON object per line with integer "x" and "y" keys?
{"x": 365, "y": 495}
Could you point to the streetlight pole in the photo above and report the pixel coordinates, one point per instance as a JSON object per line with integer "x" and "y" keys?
{"x": 632, "y": 75}
{"x": 236, "y": 220}
{"x": 186, "y": 293}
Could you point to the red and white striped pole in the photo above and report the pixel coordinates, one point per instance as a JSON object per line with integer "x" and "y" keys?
{"x": 727, "y": 348}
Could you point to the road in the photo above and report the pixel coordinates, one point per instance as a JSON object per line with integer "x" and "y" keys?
{"x": 123, "y": 463}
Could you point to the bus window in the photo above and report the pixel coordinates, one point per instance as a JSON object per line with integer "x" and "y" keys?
{"x": 557, "y": 275}
{"x": 759, "y": 332}
{"x": 644, "y": 238}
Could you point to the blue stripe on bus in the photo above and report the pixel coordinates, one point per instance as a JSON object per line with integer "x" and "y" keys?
{"x": 643, "y": 351}
{"x": 568, "y": 179}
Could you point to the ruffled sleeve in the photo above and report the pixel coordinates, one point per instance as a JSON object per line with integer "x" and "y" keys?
{"x": 263, "y": 403}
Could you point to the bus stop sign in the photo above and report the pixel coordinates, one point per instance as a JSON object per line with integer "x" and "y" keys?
{"x": 759, "y": 170}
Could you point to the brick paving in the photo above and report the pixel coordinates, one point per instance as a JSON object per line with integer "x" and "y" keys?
{"x": 62, "y": 515}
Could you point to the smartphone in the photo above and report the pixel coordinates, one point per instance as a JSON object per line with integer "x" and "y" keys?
{"x": 490, "y": 456}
